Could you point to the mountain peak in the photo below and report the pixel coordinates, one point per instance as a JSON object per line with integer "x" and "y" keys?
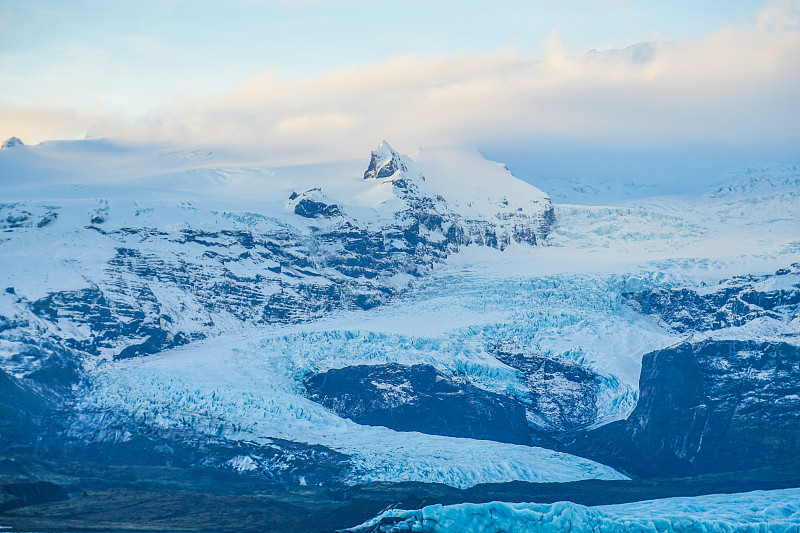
{"x": 384, "y": 162}
{"x": 385, "y": 146}
{"x": 11, "y": 142}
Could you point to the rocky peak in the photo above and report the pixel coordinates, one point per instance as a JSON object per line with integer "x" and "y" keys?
{"x": 11, "y": 142}
{"x": 313, "y": 204}
{"x": 385, "y": 162}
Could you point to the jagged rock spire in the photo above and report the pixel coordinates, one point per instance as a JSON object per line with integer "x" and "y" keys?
{"x": 385, "y": 162}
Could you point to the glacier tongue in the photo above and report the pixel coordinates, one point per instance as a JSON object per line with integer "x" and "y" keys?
{"x": 247, "y": 392}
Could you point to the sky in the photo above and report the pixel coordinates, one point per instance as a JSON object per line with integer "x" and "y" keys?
{"x": 559, "y": 86}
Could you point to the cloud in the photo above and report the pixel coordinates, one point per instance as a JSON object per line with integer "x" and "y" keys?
{"x": 734, "y": 88}
{"x": 40, "y": 121}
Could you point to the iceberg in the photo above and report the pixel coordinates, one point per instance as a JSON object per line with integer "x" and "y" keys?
{"x": 776, "y": 511}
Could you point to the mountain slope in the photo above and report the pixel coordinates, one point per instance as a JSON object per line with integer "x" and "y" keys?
{"x": 131, "y": 281}
{"x": 423, "y": 317}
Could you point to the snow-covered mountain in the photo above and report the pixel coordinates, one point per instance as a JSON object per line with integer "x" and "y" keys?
{"x": 423, "y": 317}
{"x": 98, "y": 272}
{"x": 127, "y": 269}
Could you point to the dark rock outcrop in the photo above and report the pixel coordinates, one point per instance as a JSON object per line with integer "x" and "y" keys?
{"x": 419, "y": 398}
{"x": 109, "y": 321}
{"x": 19, "y": 216}
{"x": 30, "y": 493}
{"x": 384, "y": 162}
{"x": 11, "y": 142}
{"x": 562, "y": 394}
{"x": 25, "y": 412}
{"x": 734, "y": 302}
{"x": 712, "y": 406}
{"x": 313, "y": 204}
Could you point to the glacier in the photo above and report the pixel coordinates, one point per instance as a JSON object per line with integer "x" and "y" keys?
{"x": 248, "y": 393}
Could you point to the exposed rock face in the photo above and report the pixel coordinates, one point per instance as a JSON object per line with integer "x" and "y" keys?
{"x": 433, "y": 210}
{"x": 11, "y": 142}
{"x": 313, "y": 204}
{"x": 384, "y": 163}
{"x": 726, "y": 399}
{"x": 419, "y": 398}
{"x": 735, "y": 302}
{"x": 562, "y": 394}
{"x": 561, "y": 397}
{"x": 24, "y": 412}
{"x": 18, "y": 216}
{"x": 110, "y": 320}
{"x": 707, "y": 407}
{"x": 30, "y": 493}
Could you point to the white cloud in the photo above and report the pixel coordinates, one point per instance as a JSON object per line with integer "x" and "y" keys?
{"x": 40, "y": 121}
{"x": 736, "y": 87}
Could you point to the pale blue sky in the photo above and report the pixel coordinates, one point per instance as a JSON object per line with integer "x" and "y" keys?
{"x": 131, "y": 57}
